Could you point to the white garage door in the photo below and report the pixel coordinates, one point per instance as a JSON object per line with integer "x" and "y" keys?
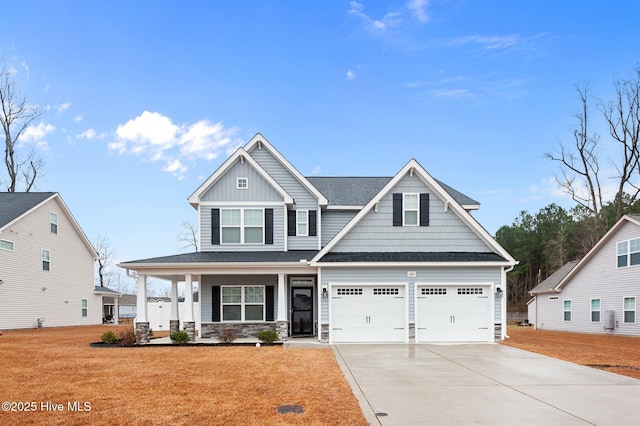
{"x": 368, "y": 313}
{"x": 453, "y": 314}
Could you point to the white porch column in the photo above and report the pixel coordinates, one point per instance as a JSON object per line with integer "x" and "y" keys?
{"x": 282, "y": 299}
{"x": 141, "y": 300}
{"x": 174, "y": 301}
{"x": 188, "y": 299}
{"x": 116, "y": 309}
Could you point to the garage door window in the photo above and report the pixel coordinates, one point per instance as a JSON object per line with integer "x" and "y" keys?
{"x": 243, "y": 303}
{"x": 385, "y": 291}
{"x": 472, "y": 290}
{"x": 349, "y": 292}
{"x": 433, "y": 291}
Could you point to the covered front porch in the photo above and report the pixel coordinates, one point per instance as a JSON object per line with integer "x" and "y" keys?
{"x": 243, "y": 297}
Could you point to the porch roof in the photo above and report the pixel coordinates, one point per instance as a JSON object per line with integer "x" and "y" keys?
{"x": 431, "y": 257}
{"x": 292, "y": 256}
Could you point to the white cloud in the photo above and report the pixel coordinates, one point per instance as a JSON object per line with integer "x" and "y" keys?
{"x": 316, "y": 170}
{"x": 25, "y": 66}
{"x": 36, "y": 135}
{"x": 351, "y": 74}
{"x": 78, "y": 118}
{"x": 451, "y": 93}
{"x": 496, "y": 42}
{"x": 419, "y": 9}
{"x": 387, "y": 22}
{"x": 156, "y": 138}
{"x": 63, "y": 107}
{"x": 90, "y": 134}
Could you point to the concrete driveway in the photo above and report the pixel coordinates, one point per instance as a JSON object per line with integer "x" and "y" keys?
{"x": 482, "y": 384}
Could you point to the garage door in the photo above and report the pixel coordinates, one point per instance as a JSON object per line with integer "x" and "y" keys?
{"x": 368, "y": 313}
{"x": 453, "y": 314}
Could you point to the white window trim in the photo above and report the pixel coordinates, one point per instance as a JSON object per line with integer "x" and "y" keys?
{"x": 242, "y": 226}
{"x": 298, "y": 223}
{"x": 243, "y": 303}
{"x": 84, "y": 306}
{"x": 564, "y": 310}
{"x": 634, "y": 310}
{"x": 591, "y": 311}
{"x": 13, "y": 246}
{"x": 52, "y": 216}
{"x": 405, "y": 209}
{"x": 246, "y": 183}
{"x": 45, "y": 260}
{"x": 627, "y": 254}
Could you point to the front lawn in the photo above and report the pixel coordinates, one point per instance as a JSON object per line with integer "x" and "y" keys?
{"x": 44, "y": 370}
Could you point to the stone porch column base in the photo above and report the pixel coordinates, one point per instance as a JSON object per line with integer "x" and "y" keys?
{"x": 174, "y": 325}
{"x": 190, "y": 328}
{"x": 142, "y": 333}
{"x": 282, "y": 327}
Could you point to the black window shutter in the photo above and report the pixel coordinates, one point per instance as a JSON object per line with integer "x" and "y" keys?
{"x": 397, "y": 209}
{"x": 215, "y": 303}
{"x": 270, "y": 305}
{"x": 292, "y": 223}
{"x": 268, "y": 226}
{"x": 313, "y": 222}
{"x": 424, "y": 209}
{"x": 215, "y": 226}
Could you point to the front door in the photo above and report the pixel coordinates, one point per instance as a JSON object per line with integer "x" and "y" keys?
{"x": 301, "y": 311}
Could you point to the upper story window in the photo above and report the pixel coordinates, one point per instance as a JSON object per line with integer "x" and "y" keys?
{"x": 242, "y": 226}
{"x": 242, "y": 183}
{"x": 302, "y": 223}
{"x": 6, "y": 245}
{"x": 53, "y": 219}
{"x": 46, "y": 260}
{"x": 410, "y": 209}
{"x": 628, "y": 253}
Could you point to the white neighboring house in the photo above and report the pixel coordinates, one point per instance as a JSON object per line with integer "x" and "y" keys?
{"x": 598, "y": 294}
{"x": 46, "y": 264}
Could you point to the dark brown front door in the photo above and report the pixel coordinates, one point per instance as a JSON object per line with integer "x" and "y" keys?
{"x": 302, "y": 311}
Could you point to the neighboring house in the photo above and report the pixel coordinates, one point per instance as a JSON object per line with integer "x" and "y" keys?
{"x": 599, "y": 293}
{"x": 127, "y": 308}
{"x": 110, "y": 304}
{"x": 46, "y": 264}
{"x": 344, "y": 259}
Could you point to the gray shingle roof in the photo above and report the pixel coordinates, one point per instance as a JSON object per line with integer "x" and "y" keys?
{"x": 412, "y": 257}
{"x": 15, "y": 204}
{"x": 555, "y": 278}
{"x": 358, "y": 190}
{"x": 232, "y": 256}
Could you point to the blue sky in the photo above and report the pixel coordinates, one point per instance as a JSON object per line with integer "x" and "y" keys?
{"x": 146, "y": 99}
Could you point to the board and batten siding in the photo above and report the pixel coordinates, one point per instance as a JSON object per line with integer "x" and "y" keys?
{"x": 599, "y": 278}
{"x": 303, "y": 198}
{"x": 333, "y": 221}
{"x": 225, "y": 189}
{"x": 424, "y": 276}
{"x": 446, "y": 231}
{"x": 28, "y": 292}
{"x": 279, "y": 232}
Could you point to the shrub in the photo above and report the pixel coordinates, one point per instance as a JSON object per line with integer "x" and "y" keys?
{"x": 227, "y": 335}
{"x": 127, "y": 336}
{"x": 179, "y": 337}
{"x": 268, "y": 336}
{"x": 109, "y": 337}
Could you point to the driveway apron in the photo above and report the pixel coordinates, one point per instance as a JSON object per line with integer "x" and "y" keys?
{"x": 459, "y": 384}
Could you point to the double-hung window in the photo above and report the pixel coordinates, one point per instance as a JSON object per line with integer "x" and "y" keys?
{"x": 410, "y": 210}
{"x": 46, "y": 260}
{"x": 595, "y": 310}
{"x": 53, "y": 220}
{"x": 628, "y": 253}
{"x": 629, "y": 310}
{"x": 243, "y": 303}
{"x": 302, "y": 221}
{"x": 242, "y": 226}
{"x": 567, "y": 310}
{"x": 84, "y": 308}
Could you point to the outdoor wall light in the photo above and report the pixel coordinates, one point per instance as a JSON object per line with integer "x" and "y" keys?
{"x": 324, "y": 291}
{"x": 1, "y": 282}
{"x": 499, "y": 292}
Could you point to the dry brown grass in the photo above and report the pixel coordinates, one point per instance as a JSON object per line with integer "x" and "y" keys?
{"x": 617, "y": 354}
{"x": 169, "y": 385}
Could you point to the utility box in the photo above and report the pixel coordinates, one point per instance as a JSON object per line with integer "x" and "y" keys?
{"x": 609, "y": 320}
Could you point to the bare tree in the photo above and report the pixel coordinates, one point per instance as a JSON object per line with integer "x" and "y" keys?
{"x": 104, "y": 260}
{"x": 15, "y": 117}
{"x": 188, "y": 235}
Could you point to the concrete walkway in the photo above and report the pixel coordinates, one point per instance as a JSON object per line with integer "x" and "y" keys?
{"x": 487, "y": 384}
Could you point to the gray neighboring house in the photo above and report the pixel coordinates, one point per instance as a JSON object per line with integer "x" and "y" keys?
{"x": 343, "y": 259}
{"x": 110, "y": 304}
{"x": 597, "y": 294}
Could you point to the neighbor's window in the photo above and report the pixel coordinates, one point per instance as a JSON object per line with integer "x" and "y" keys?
{"x": 410, "y": 209}
{"x": 242, "y": 226}
{"x": 6, "y": 245}
{"x": 567, "y": 310}
{"x": 629, "y": 310}
{"x": 628, "y": 253}
{"x": 242, "y": 183}
{"x": 243, "y": 303}
{"x": 84, "y": 307}
{"x": 303, "y": 222}
{"x": 46, "y": 260}
{"x": 53, "y": 218}
{"x": 595, "y": 310}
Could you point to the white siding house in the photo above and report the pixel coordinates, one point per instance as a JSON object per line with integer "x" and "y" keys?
{"x": 46, "y": 264}
{"x": 598, "y": 294}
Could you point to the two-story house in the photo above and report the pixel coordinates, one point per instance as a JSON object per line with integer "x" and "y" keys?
{"x": 345, "y": 259}
{"x": 46, "y": 264}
